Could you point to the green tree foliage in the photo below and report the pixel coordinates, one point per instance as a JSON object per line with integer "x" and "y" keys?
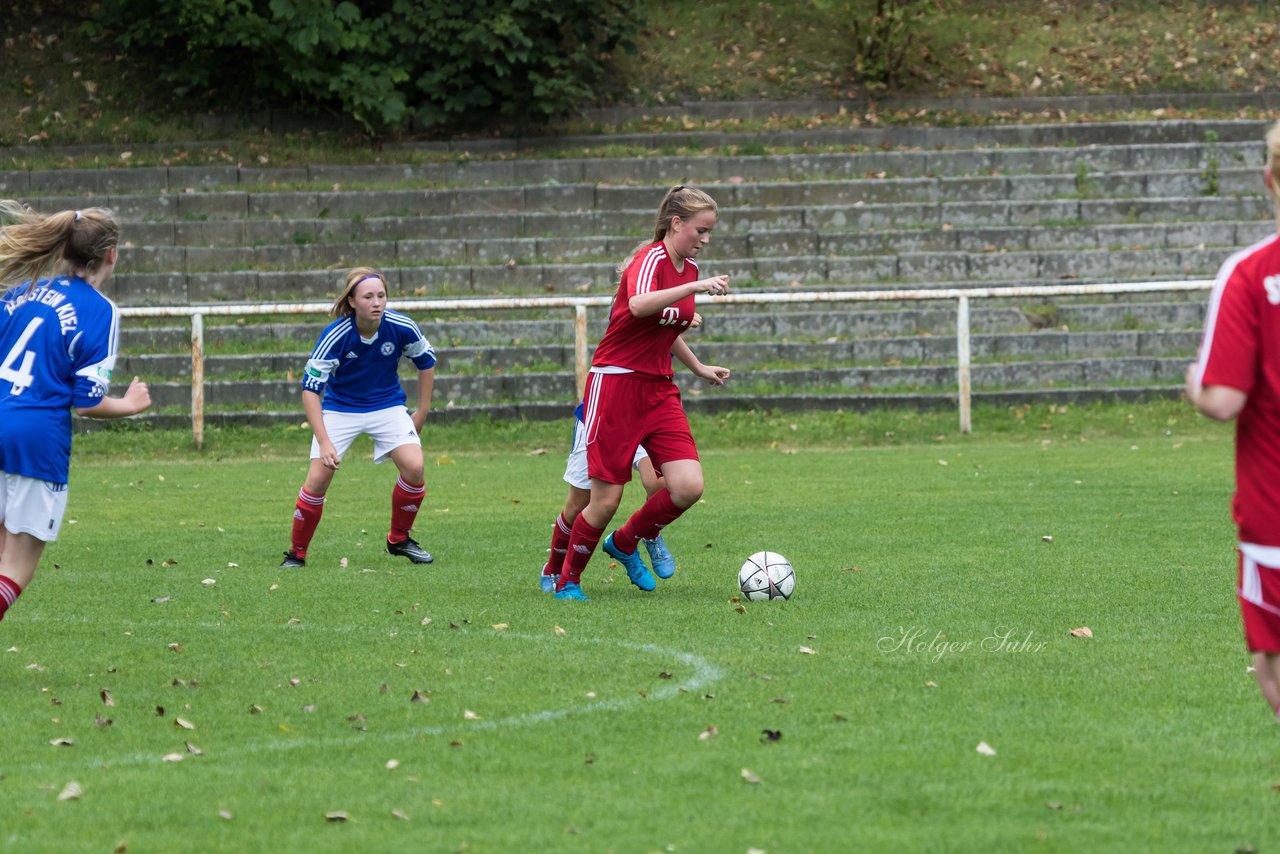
{"x": 386, "y": 63}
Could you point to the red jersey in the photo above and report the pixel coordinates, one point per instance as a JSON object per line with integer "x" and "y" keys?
{"x": 643, "y": 344}
{"x": 1241, "y": 350}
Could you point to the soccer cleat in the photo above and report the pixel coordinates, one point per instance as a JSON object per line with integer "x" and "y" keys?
{"x": 410, "y": 549}
{"x": 291, "y": 560}
{"x": 634, "y": 565}
{"x": 664, "y": 565}
{"x": 572, "y": 591}
{"x": 548, "y": 581}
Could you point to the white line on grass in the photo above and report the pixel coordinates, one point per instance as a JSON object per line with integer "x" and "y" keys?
{"x": 704, "y": 674}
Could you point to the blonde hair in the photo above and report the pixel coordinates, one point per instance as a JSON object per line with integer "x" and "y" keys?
{"x": 33, "y": 244}
{"x": 1273, "y": 161}
{"x": 680, "y": 201}
{"x": 341, "y": 306}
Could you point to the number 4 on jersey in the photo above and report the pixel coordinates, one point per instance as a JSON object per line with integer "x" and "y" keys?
{"x": 20, "y": 377}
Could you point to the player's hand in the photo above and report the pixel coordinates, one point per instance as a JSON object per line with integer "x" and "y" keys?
{"x": 715, "y": 375}
{"x": 696, "y": 322}
{"x": 715, "y": 286}
{"x": 329, "y": 455}
{"x": 138, "y": 396}
{"x": 419, "y": 417}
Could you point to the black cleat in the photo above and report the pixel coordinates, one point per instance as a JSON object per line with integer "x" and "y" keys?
{"x": 291, "y": 560}
{"x": 410, "y": 549}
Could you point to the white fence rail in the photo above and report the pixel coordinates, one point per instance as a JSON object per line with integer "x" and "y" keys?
{"x": 580, "y": 305}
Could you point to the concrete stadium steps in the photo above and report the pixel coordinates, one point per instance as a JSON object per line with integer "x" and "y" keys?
{"x": 905, "y": 207}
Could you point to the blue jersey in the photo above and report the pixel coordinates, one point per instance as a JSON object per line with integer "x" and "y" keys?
{"x": 57, "y": 348}
{"x": 355, "y": 374}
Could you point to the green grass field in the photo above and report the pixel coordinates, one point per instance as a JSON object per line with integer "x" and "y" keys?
{"x": 937, "y": 617}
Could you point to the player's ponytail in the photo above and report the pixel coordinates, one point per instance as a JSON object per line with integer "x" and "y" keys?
{"x": 32, "y": 244}
{"x": 680, "y": 201}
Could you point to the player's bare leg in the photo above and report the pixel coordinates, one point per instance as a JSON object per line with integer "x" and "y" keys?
{"x": 1266, "y": 669}
{"x": 19, "y": 556}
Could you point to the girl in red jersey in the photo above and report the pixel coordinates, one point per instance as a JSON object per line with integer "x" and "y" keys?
{"x": 631, "y": 397}
{"x": 1237, "y": 376}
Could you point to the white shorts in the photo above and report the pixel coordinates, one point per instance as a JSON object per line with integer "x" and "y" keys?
{"x": 30, "y": 506}
{"x": 575, "y": 470}
{"x": 390, "y": 428}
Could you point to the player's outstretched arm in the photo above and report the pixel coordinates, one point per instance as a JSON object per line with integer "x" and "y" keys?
{"x": 713, "y": 374}
{"x": 135, "y": 399}
{"x": 426, "y": 381}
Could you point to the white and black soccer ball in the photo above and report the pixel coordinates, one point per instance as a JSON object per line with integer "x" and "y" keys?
{"x": 765, "y": 576}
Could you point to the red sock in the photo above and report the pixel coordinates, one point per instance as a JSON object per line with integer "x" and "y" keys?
{"x": 559, "y": 546}
{"x": 582, "y": 542}
{"x": 9, "y": 593}
{"x": 656, "y": 513}
{"x": 306, "y": 516}
{"x": 406, "y": 498}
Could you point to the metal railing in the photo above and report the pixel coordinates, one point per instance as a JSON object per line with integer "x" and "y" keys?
{"x": 579, "y": 305}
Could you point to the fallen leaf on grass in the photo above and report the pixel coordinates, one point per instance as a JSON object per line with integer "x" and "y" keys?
{"x": 106, "y": 697}
{"x": 336, "y": 815}
{"x": 192, "y": 749}
{"x": 100, "y": 722}
{"x": 62, "y": 742}
{"x": 985, "y": 749}
{"x": 469, "y": 715}
{"x": 71, "y": 792}
{"x": 750, "y": 776}
{"x": 419, "y": 697}
{"x": 225, "y": 815}
{"x": 560, "y": 632}
{"x": 209, "y": 582}
{"x": 255, "y": 709}
{"x": 399, "y": 814}
{"x": 501, "y": 627}
{"x": 176, "y": 647}
{"x": 708, "y": 733}
{"x": 770, "y": 735}
{"x": 1082, "y": 632}
{"x": 172, "y": 757}
{"x": 393, "y": 764}
{"x": 807, "y": 651}
{"x": 183, "y": 723}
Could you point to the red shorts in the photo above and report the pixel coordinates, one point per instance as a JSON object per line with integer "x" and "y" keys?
{"x": 624, "y": 411}
{"x": 1260, "y": 597}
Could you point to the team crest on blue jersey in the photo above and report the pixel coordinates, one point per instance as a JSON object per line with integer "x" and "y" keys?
{"x": 387, "y": 348}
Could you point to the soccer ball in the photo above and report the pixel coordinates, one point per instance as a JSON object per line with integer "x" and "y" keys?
{"x": 766, "y": 575}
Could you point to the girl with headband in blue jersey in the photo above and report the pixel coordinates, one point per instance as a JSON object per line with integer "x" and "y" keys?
{"x": 351, "y": 385}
